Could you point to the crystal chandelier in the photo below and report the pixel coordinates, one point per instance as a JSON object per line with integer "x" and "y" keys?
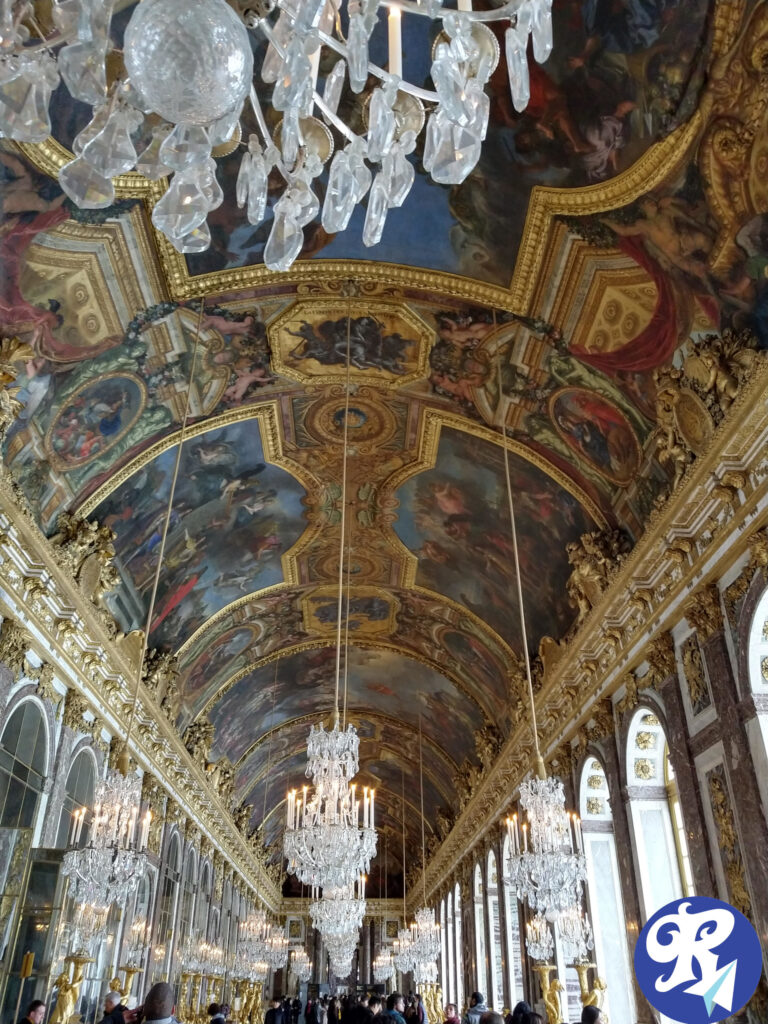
{"x": 324, "y": 842}
{"x": 425, "y": 936}
{"x": 189, "y": 69}
{"x": 575, "y": 934}
{"x": 276, "y": 953}
{"x": 301, "y": 965}
{"x": 383, "y": 966}
{"x": 403, "y": 954}
{"x": 548, "y": 866}
{"x": 254, "y": 935}
{"x": 538, "y": 939}
{"x": 110, "y": 866}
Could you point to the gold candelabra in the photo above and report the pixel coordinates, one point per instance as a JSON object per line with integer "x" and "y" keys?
{"x": 550, "y": 992}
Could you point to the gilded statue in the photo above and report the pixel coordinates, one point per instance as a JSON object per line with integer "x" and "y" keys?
{"x": 672, "y": 446}
{"x": 198, "y": 739}
{"x": 65, "y": 999}
{"x": 487, "y": 744}
{"x": 720, "y": 364}
{"x": 242, "y": 817}
{"x": 594, "y": 558}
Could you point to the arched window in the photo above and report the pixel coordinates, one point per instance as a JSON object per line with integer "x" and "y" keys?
{"x": 169, "y": 886}
{"x": 23, "y": 757}
{"x": 481, "y": 970}
{"x": 79, "y": 789}
{"x": 450, "y": 939}
{"x": 459, "y": 1000}
{"x": 496, "y": 996}
{"x": 606, "y": 907}
{"x": 512, "y": 921}
{"x": 203, "y": 902}
{"x": 188, "y": 889}
{"x": 757, "y": 727}
{"x": 443, "y": 950}
{"x": 657, "y": 839}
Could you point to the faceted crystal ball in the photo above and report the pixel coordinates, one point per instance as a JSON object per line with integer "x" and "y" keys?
{"x": 191, "y": 62}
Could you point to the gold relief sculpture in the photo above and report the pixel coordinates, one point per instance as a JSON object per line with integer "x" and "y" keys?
{"x": 198, "y": 739}
{"x": 603, "y": 723}
{"x": 703, "y": 611}
{"x": 660, "y": 655}
{"x": 683, "y": 424}
{"x": 15, "y": 641}
{"x": 595, "y": 559}
{"x": 595, "y": 805}
{"x": 242, "y": 817}
{"x": 695, "y": 677}
{"x": 728, "y": 841}
{"x": 644, "y": 768}
{"x": 596, "y": 781}
{"x": 720, "y": 365}
{"x": 645, "y": 740}
{"x": 75, "y": 707}
{"x": 650, "y": 719}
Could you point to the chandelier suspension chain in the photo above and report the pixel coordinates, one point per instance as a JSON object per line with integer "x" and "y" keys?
{"x": 518, "y": 580}
{"x": 343, "y": 523}
{"x": 124, "y": 762}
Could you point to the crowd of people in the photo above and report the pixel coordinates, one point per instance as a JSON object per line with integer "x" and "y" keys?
{"x": 159, "y": 1008}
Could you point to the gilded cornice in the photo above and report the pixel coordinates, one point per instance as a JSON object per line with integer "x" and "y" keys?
{"x": 96, "y": 669}
{"x": 644, "y": 601}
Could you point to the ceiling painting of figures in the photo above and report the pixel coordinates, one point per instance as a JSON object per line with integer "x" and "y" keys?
{"x": 608, "y": 252}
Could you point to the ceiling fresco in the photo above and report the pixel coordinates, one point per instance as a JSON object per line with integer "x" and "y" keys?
{"x": 548, "y": 311}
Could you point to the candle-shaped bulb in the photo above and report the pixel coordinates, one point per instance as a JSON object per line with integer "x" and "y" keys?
{"x": 395, "y": 43}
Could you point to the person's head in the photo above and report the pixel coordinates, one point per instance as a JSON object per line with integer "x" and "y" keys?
{"x": 519, "y": 1012}
{"x": 533, "y": 1018}
{"x": 111, "y": 1000}
{"x": 36, "y": 1011}
{"x": 276, "y": 1002}
{"x": 214, "y": 1010}
{"x": 476, "y": 999}
{"x": 450, "y": 1011}
{"x": 374, "y": 1003}
{"x": 396, "y": 1001}
{"x": 158, "y": 1003}
{"x": 591, "y": 1015}
{"x": 491, "y": 1017}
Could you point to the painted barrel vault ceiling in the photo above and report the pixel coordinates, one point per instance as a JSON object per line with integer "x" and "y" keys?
{"x": 599, "y": 239}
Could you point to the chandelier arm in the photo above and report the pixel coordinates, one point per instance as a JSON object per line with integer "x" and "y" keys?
{"x": 529, "y": 679}
{"x": 124, "y": 761}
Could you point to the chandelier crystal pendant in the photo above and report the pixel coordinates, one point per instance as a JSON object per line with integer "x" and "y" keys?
{"x": 191, "y": 66}
{"x": 109, "y": 867}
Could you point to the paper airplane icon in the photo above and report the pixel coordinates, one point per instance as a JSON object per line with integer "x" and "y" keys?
{"x": 717, "y": 988}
